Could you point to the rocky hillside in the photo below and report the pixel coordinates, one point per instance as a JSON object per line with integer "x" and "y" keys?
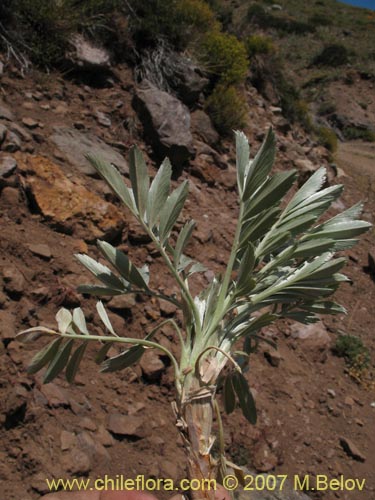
{"x": 316, "y": 409}
{"x": 327, "y": 51}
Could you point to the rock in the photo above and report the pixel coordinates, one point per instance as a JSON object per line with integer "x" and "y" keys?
{"x": 104, "y": 437}
{"x": 39, "y": 484}
{"x": 305, "y": 169}
{"x": 5, "y": 112}
{"x": 84, "y": 56}
{"x": 103, "y": 119}
{"x": 273, "y": 357}
{"x": 331, "y": 393}
{"x": 8, "y": 166}
{"x": 68, "y": 206}
{"x": 30, "y": 123}
{"x": 201, "y": 124}
{"x": 314, "y": 335}
{"x": 351, "y": 449}
{"x": 10, "y": 196}
{"x": 120, "y": 302}
{"x": 166, "y": 123}
{"x": 76, "y": 462}
{"x": 41, "y": 250}
{"x": 87, "y": 423}
{"x": 12, "y": 143}
{"x": 68, "y": 440}
{"x": 151, "y": 365}
{"x": 15, "y": 407}
{"x": 54, "y": 395}
{"x": 3, "y": 133}
{"x": 263, "y": 458}
{"x": 126, "y": 425}
{"x": 167, "y": 308}
{"x": 14, "y": 281}
{"x": 75, "y": 145}
{"x": 187, "y": 79}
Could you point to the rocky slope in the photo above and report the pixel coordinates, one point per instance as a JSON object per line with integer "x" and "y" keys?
{"x": 313, "y": 417}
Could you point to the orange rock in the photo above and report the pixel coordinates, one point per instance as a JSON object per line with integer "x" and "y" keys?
{"x": 68, "y": 205}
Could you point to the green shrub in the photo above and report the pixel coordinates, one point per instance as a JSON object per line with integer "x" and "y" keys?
{"x": 42, "y": 29}
{"x": 225, "y": 57}
{"x": 227, "y": 108}
{"x": 326, "y": 108}
{"x": 320, "y": 20}
{"x": 328, "y": 138}
{"x": 259, "y": 44}
{"x": 258, "y": 15}
{"x": 332, "y": 55}
{"x": 356, "y": 133}
{"x": 178, "y": 22}
{"x": 351, "y": 348}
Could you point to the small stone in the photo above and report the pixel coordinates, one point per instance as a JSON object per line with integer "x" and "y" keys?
{"x": 119, "y": 302}
{"x": 5, "y": 112}
{"x": 349, "y": 401}
{"x": 14, "y": 281}
{"x": 68, "y": 440}
{"x": 3, "y": 133}
{"x": 263, "y": 458}
{"x": 76, "y": 462}
{"x": 30, "y": 123}
{"x": 41, "y": 250}
{"x": 103, "y": 119}
{"x": 126, "y": 425}
{"x": 167, "y": 308}
{"x": 10, "y": 196}
{"x": 12, "y": 143}
{"x": 8, "y": 166}
{"x": 351, "y": 449}
{"x": 54, "y": 395}
{"x": 15, "y": 407}
{"x": 331, "y": 392}
{"x": 273, "y": 357}
{"x": 104, "y": 437}
{"x": 152, "y": 366}
{"x": 39, "y": 484}
{"x": 87, "y": 423}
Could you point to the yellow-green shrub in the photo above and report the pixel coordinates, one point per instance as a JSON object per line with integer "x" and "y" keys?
{"x": 328, "y": 138}
{"x": 259, "y": 44}
{"x": 227, "y": 108}
{"x": 225, "y": 57}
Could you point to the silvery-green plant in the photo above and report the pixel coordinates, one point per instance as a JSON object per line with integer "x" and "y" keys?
{"x": 282, "y": 265}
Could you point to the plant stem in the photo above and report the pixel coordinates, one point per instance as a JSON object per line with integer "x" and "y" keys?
{"x": 175, "y": 274}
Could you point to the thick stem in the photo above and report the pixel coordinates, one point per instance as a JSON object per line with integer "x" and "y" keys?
{"x": 194, "y": 420}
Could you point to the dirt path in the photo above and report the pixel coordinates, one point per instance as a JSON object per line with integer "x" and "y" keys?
{"x": 358, "y": 158}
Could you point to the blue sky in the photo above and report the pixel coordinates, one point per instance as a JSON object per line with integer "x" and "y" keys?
{"x": 369, "y": 4}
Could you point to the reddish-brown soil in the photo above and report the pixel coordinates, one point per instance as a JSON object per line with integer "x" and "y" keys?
{"x": 306, "y": 404}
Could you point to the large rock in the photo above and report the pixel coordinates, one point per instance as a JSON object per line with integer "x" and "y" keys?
{"x": 202, "y": 126}
{"x": 85, "y": 56}
{"x": 75, "y": 145}
{"x": 166, "y": 122}
{"x": 187, "y": 80}
{"x": 69, "y": 206}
